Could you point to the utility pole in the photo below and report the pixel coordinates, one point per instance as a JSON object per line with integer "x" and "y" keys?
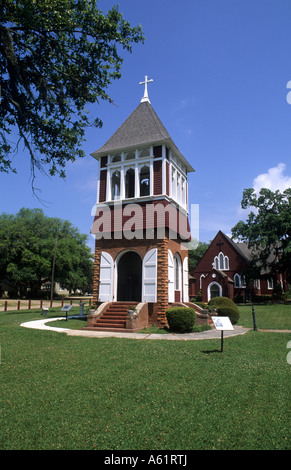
{"x": 53, "y": 269}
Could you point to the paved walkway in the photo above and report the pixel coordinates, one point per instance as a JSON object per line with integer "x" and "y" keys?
{"x": 208, "y": 334}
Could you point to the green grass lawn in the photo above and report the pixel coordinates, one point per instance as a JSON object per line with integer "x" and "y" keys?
{"x": 61, "y": 392}
{"x": 277, "y": 316}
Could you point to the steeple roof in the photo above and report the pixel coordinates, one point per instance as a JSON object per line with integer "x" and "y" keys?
{"x": 143, "y": 127}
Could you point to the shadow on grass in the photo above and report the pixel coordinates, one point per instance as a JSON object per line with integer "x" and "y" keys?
{"x": 210, "y": 351}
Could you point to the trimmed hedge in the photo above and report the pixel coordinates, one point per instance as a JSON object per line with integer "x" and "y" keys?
{"x": 228, "y": 312}
{"x": 225, "y": 307}
{"x": 181, "y": 319}
{"x": 222, "y": 302}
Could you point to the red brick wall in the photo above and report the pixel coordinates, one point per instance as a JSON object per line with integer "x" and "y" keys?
{"x": 157, "y": 311}
{"x": 96, "y": 273}
{"x": 236, "y": 262}
{"x": 236, "y": 265}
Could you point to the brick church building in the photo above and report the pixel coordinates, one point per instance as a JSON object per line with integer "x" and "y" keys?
{"x": 220, "y": 273}
{"x": 141, "y": 224}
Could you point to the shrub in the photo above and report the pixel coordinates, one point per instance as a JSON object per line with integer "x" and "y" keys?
{"x": 238, "y": 299}
{"x": 181, "y": 319}
{"x": 230, "y": 312}
{"x": 225, "y": 307}
{"x": 222, "y": 302}
{"x": 258, "y": 299}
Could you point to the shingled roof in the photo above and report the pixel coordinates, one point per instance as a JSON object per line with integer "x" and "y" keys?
{"x": 143, "y": 127}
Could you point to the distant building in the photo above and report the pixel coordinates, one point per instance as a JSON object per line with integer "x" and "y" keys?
{"x": 7, "y": 289}
{"x": 220, "y": 273}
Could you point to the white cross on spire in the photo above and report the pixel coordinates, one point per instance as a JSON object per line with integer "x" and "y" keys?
{"x": 145, "y": 83}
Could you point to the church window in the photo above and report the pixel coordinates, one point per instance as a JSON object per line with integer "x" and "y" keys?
{"x": 130, "y": 183}
{"x": 144, "y": 181}
{"x": 183, "y": 192}
{"x": 115, "y": 185}
{"x": 201, "y": 279}
{"x": 221, "y": 261}
{"x": 177, "y": 272}
{"x": 144, "y": 152}
{"x": 257, "y": 283}
{"x": 237, "y": 282}
{"x": 116, "y": 158}
{"x": 243, "y": 281}
{"x": 174, "y": 183}
{"x": 179, "y": 188}
{"x": 270, "y": 283}
{"x": 130, "y": 155}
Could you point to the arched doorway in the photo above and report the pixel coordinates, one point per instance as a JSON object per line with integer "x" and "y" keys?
{"x": 178, "y": 277}
{"x": 214, "y": 290}
{"x": 129, "y": 277}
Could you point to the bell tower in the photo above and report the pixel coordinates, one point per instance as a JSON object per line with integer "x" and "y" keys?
{"x": 141, "y": 223}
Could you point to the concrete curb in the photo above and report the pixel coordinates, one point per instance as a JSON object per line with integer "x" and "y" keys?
{"x": 209, "y": 334}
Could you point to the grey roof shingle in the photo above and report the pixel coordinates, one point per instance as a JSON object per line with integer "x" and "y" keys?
{"x": 142, "y": 127}
{"x": 241, "y": 247}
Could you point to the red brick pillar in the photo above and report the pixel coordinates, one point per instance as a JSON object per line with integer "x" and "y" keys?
{"x": 96, "y": 273}
{"x": 162, "y": 281}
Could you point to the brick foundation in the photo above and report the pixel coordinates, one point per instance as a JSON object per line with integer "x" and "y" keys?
{"x": 156, "y": 310}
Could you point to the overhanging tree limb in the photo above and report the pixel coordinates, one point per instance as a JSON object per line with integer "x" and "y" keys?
{"x": 56, "y": 57}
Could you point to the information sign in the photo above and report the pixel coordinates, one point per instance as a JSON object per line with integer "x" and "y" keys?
{"x": 222, "y": 324}
{"x": 66, "y": 308}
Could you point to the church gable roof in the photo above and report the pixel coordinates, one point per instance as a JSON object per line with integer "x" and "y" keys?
{"x": 218, "y": 245}
{"x": 142, "y": 127}
{"x": 241, "y": 248}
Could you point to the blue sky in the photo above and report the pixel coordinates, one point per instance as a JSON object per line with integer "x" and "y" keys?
{"x": 220, "y": 71}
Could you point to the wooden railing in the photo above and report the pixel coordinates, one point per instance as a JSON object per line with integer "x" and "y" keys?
{"x": 6, "y": 305}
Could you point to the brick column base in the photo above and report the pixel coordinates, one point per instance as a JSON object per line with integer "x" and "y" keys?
{"x": 162, "y": 282}
{"x": 96, "y": 274}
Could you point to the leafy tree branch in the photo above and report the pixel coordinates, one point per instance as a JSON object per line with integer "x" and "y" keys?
{"x": 267, "y": 229}
{"x": 56, "y": 57}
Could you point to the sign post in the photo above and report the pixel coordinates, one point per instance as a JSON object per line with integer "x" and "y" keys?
{"x": 222, "y": 324}
{"x": 66, "y": 308}
{"x": 254, "y": 318}
{"x": 82, "y": 309}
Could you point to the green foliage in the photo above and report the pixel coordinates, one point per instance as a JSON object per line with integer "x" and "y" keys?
{"x": 225, "y": 307}
{"x": 56, "y": 57}
{"x": 230, "y": 312}
{"x": 222, "y": 302}
{"x": 196, "y": 255}
{"x": 181, "y": 319}
{"x": 28, "y": 242}
{"x": 266, "y": 231}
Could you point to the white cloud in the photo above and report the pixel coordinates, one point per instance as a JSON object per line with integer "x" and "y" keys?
{"x": 274, "y": 179}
